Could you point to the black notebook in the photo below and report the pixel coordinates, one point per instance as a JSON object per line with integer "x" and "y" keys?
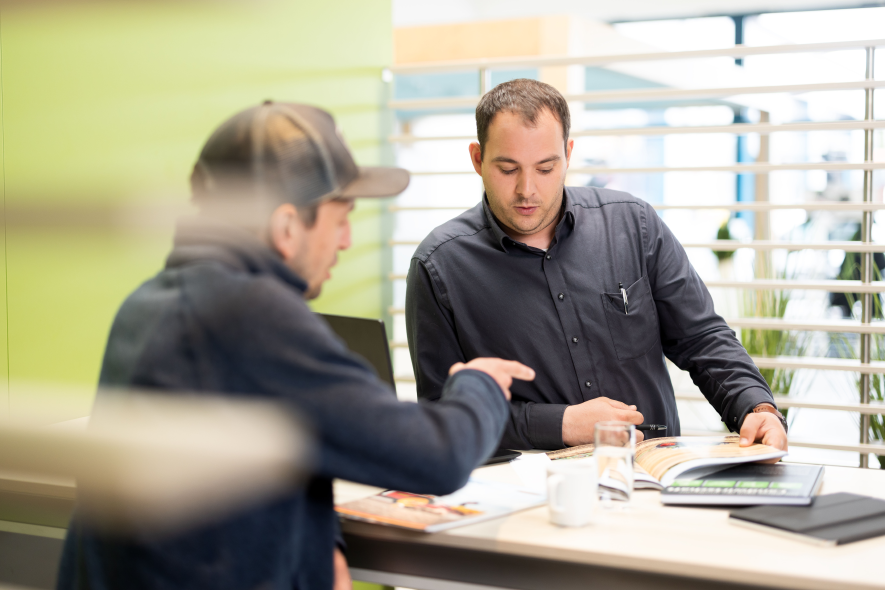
{"x": 833, "y": 519}
{"x": 749, "y": 484}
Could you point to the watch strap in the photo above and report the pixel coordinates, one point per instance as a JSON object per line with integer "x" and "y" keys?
{"x": 768, "y": 408}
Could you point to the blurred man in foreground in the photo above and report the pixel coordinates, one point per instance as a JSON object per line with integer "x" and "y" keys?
{"x": 275, "y": 185}
{"x": 587, "y": 286}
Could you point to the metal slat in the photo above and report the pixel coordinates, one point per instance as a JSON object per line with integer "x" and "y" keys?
{"x": 742, "y": 206}
{"x": 738, "y": 168}
{"x": 647, "y": 94}
{"x": 847, "y": 326}
{"x": 819, "y": 363}
{"x": 789, "y": 402}
{"x": 599, "y": 60}
{"x": 819, "y": 206}
{"x": 803, "y": 443}
{"x": 832, "y": 286}
{"x": 781, "y": 400}
{"x": 736, "y": 128}
{"x": 787, "y": 362}
{"x": 732, "y": 245}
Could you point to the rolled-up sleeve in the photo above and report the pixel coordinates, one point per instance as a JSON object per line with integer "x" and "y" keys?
{"x": 693, "y": 335}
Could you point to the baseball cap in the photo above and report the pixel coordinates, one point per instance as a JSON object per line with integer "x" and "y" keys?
{"x": 293, "y": 152}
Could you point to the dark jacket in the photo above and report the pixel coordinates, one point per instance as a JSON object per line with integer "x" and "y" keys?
{"x": 474, "y": 292}
{"x": 226, "y": 315}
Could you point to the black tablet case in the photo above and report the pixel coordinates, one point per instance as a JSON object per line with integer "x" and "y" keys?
{"x": 836, "y": 518}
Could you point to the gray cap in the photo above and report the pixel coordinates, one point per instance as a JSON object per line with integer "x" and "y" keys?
{"x": 292, "y": 151}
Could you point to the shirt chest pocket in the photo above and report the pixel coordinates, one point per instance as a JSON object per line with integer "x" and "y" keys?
{"x": 633, "y": 333}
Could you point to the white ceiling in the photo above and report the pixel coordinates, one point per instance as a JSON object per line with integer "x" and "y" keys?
{"x": 425, "y": 12}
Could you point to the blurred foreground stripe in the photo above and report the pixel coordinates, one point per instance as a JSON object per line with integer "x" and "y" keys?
{"x": 163, "y": 463}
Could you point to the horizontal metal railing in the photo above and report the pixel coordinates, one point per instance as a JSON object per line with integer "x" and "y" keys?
{"x": 805, "y": 443}
{"x": 784, "y": 362}
{"x": 781, "y": 324}
{"x": 641, "y": 95}
{"x": 732, "y": 245}
{"x": 820, "y": 364}
{"x": 739, "y": 206}
{"x": 785, "y": 401}
{"x": 736, "y": 168}
{"x": 734, "y": 128}
{"x": 832, "y": 286}
{"x": 601, "y": 60}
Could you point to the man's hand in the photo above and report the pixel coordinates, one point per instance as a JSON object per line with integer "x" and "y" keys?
{"x": 579, "y": 421}
{"x": 765, "y": 428}
{"x": 503, "y": 372}
{"x": 342, "y": 572}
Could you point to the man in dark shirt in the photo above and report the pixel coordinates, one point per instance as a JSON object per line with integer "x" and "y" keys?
{"x": 586, "y": 286}
{"x": 275, "y": 185}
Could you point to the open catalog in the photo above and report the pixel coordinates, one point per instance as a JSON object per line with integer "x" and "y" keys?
{"x": 477, "y": 501}
{"x": 661, "y": 461}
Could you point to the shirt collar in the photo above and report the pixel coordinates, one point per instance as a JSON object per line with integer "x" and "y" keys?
{"x": 502, "y": 240}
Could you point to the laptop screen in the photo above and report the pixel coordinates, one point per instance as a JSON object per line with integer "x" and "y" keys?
{"x": 367, "y": 338}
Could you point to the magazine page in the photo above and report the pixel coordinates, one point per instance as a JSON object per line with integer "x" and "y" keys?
{"x": 667, "y": 458}
{"x": 659, "y": 461}
{"x": 578, "y": 452}
{"x": 641, "y": 478}
{"x": 477, "y": 501}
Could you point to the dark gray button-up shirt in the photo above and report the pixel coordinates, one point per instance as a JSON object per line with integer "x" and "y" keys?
{"x": 474, "y": 292}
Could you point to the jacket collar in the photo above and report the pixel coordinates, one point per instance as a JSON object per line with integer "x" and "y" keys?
{"x": 201, "y": 239}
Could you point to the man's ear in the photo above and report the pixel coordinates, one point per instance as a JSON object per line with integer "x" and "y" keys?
{"x": 476, "y": 157}
{"x": 568, "y": 151}
{"x": 283, "y": 222}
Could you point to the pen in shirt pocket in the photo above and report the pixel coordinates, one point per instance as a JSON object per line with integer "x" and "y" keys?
{"x": 624, "y": 295}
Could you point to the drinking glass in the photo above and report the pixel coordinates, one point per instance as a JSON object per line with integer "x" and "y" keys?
{"x": 615, "y": 444}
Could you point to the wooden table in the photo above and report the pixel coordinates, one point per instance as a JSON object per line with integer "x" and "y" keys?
{"x": 648, "y": 546}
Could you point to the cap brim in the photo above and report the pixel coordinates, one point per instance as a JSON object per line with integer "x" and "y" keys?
{"x": 377, "y": 181}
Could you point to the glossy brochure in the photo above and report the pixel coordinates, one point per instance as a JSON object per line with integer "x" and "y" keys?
{"x": 479, "y": 500}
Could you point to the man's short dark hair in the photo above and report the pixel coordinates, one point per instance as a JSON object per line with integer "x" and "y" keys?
{"x": 526, "y": 97}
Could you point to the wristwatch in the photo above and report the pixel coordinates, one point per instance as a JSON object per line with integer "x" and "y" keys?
{"x": 766, "y": 407}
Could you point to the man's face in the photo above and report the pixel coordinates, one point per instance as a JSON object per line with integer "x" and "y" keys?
{"x": 523, "y": 170}
{"x": 313, "y": 251}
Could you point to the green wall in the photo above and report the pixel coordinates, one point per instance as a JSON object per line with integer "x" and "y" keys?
{"x": 105, "y": 106}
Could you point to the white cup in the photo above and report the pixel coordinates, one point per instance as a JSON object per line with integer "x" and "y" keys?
{"x": 571, "y": 491}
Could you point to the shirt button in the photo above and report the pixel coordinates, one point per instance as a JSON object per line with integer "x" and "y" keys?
{"x": 575, "y": 340}
{"x": 588, "y": 384}
{"x": 548, "y": 257}
{"x": 561, "y": 296}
